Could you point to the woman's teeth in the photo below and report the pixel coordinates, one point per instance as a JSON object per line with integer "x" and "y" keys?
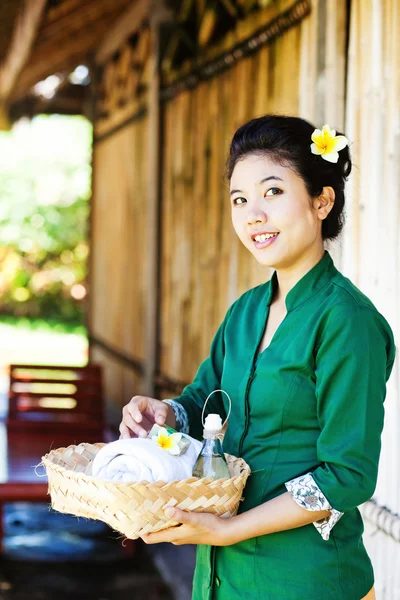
{"x": 264, "y": 236}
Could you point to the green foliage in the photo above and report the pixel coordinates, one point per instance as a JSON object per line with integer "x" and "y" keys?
{"x": 41, "y": 325}
{"x": 44, "y": 191}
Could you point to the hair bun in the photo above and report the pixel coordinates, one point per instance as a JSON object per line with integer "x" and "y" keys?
{"x": 344, "y": 163}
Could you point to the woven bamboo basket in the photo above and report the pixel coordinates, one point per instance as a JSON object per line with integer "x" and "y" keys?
{"x": 135, "y": 509}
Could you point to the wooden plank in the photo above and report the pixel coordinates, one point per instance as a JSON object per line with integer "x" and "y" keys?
{"x": 335, "y": 62}
{"x": 64, "y": 9}
{"x": 35, "y": 380}
{"x": 196, "y": 219}
{"x": 89, "y": 368}
{"x": 128, "y": 24}
{"x": 120, "y": 383}
{"x": 51, "y": 60}
{"x": 370, "y": 238}
{"x": 153, "y": 223}
{"x": 25, "y": 31}
{"x": 207, "y": 26}
{"x": 82, "y": 16}
{"x": 308, "y": 64}
{"x": 159, "y": 14}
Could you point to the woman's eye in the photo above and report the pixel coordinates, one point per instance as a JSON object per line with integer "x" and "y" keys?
{"x": 274, "y": 192}
{"x": 238, "y": 201}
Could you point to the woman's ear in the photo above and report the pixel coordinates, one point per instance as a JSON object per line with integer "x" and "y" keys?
{"x": 324, "y": 202}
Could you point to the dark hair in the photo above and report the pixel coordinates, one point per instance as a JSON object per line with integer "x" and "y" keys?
{"x": 286, "y": 141}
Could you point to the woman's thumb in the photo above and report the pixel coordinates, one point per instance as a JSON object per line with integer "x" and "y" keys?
{"x": 161, "y": 414}
{"x": 183, "y": 516}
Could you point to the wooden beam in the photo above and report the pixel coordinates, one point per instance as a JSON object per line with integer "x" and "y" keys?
{"x": 230, "y": 7}
{"x": 5, "y": 123}
{"x": 158, "y": 15}
{"x": 25, "y": 31}
{"x": 184, "y": 10}
{"x": 127, "y": 24}
{"x": 67, "y": 57}
{"x": 207, "y": 26}
{"x": 87, "y": 14}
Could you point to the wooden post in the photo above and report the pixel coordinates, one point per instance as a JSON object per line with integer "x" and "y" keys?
{"x": 158, "y": 15}
{"x": 90, "y": 113}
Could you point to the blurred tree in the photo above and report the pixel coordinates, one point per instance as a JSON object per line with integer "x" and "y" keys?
{"x": 45, "y": 178}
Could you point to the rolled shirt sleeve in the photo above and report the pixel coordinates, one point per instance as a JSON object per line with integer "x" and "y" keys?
{"x": 307, "y": 494}
{"x": 352, "y": 365}
{"x": 181, "y": 416}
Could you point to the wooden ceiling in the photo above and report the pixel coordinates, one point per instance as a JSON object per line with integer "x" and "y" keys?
{"x": 69, "y": 32}
{"x": 8, "y": 13}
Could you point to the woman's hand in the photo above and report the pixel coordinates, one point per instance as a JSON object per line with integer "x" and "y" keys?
{"x": 141, "y": 413}
{"x": 196, "y": 528}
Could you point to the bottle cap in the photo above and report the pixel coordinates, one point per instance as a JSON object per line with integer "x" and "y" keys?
{"x": 213, "y": 422}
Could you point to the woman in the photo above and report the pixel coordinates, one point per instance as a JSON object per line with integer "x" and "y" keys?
{"x": 305, "y": 358}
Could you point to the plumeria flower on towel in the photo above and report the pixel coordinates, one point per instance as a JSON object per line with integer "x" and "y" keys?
{"x": 327, "y": 144}
{"x": 168, "y": 441}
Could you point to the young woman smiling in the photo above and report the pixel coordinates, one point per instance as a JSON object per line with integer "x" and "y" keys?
{"x": 305, "y": 358}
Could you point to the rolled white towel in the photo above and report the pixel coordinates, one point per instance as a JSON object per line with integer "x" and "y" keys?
{"x": 139, "y": 459}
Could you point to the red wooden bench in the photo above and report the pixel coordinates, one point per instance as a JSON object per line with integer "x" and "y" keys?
{"x": 49, "y": 407}
{"x": 53, "y": 398}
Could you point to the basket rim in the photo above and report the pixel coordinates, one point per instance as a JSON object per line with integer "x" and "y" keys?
{"x": 48, "y": 463}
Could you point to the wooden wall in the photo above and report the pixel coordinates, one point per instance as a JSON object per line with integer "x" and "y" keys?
{"x": 371, "y": 249}
{"x": 204, "y": 267}
{"x": 118, "y": 264}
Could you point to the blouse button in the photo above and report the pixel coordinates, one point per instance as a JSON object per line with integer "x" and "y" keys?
{"x": 217, "y": 582}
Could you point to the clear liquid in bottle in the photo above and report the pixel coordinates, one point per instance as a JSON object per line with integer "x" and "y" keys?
{"x": 211, "y": 461}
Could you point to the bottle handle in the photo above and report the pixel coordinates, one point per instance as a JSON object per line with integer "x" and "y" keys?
{"x": 230, "y": 406}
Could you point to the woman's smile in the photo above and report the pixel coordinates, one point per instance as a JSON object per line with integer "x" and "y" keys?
{"x": 262, "y": 240}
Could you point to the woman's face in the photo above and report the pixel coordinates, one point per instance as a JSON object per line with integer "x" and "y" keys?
{"x": 273, "y": 214}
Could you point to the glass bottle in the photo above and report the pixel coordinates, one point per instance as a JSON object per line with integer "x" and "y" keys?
{"x": 211, "y": 461}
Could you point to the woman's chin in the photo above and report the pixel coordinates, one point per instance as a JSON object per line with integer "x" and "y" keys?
{"x": 265, "y": 257}
{"x": 266, "y": 262}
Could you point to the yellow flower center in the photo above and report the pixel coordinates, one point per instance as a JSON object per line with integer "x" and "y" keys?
{"x": 326, "y": 141}
{"x": 165, "y": 442}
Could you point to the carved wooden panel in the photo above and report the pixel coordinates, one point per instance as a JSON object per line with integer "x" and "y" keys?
{"x": 123, "y": 83}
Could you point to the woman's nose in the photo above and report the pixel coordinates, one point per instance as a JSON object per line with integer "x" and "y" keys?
{"x": 256, "y": 215}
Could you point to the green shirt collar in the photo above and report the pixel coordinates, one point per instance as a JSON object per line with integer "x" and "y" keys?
{"x": 315, "y": 279}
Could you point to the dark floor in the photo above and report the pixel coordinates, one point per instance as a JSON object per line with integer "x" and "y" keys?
{"x": 50, "y": 556}
{"x": 82, "y": 581}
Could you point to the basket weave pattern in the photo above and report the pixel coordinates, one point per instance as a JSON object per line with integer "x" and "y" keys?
{"x": 135, "y": 509}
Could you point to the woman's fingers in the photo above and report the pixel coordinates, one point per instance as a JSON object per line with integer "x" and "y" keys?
{"x": 132, "y": 415}
{"x": 131, "y": 424}
{"x": 140, "y": 414}
{"x": 125, "y": 432}
{"x": 161, "y": 413}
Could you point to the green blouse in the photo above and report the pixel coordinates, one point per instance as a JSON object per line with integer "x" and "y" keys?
{"x": 308, "y": 408}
